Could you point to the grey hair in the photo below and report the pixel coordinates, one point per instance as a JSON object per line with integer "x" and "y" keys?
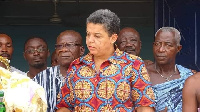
{"x": 172, "y": 30}
{"x": 108, "y": 19}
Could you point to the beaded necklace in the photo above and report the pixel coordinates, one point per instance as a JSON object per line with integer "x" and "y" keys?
{"x": 166, "y": 78}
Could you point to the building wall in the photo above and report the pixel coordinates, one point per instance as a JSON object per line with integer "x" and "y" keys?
{"x": 184, "y": 15}
{"x": 24, "y": 18}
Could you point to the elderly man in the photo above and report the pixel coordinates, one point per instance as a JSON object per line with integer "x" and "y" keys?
{"x": 36, "y": 53}
{"x": 106, "y": 79}
{"x": 129, "y": 41}
{"x": 166, "y": 76}
{"x": 6, "y": 50}
{"x": 68, "y": 48}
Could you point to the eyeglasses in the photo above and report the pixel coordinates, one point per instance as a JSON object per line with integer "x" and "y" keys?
{"x": 39, "y": 50}
{"x": 67, "y": 45}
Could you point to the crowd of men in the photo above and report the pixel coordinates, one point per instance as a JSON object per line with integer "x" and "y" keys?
{"x": 111, "y": 77}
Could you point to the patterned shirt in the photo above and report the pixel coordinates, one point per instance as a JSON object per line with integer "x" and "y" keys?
{"x": 121, "y": 85}
{"x": 169, "y": 94}
{"x": 51, "y": 80}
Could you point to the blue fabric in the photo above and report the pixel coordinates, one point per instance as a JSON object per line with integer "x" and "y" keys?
{"x": 51, "y": 80}
{"x": 169, "y": 94}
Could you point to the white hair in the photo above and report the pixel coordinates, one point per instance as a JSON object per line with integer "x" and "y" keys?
{"x": 172, "y": 30}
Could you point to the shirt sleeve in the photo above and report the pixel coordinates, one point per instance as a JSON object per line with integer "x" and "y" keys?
{"x": 142, "y": 92}
{"x": 65, "y": 96}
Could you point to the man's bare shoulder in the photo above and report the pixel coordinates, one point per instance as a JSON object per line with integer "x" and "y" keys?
{"x": 193, "y": 80}
{"x": 148, "y": 62}
{"x": 194, "y": 77}
{"x": 150, "y": 67}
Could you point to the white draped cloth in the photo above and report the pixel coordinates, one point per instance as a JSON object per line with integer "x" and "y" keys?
{"x": 21, "y": 94}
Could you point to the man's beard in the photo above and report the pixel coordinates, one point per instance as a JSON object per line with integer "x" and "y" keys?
{"x": 38, "y": 65}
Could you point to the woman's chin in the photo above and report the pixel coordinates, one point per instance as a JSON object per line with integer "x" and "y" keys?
{"x": 93, "y": 52}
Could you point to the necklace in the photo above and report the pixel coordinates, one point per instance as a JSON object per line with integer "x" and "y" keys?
{"x": 166, "y": 78}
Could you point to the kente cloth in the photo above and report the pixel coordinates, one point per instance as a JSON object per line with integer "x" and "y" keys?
{"x": 169, "y": 94}
{"x": 51, "y": 80}
{"x": 122, "y": 84}
{"x": 21, "y": 94}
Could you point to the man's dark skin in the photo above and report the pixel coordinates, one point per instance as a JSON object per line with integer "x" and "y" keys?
{"x": 6, "y": 50}
{"x": 165, "y": 49}
{"x": 6, "y": 47}
{"x": 129, "y": 41}
{"x": 37, "y": 60}
{"x": 54, "y": 60}
{"x": 66, "y": 55}
{"x": 191, "y": 93}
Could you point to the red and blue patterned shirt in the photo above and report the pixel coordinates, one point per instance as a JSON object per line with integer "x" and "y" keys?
{"x": 122, "y": 84}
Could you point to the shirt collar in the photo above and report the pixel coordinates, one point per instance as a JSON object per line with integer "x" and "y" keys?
{"x": 115, "y": 58}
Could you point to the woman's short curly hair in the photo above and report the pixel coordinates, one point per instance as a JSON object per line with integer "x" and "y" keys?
{"x": 108, "y": 19}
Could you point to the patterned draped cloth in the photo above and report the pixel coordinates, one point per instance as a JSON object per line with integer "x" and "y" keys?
{"x": 21, "y": 94}
{"x": 169, "y": 94}
{"x": 121, "y": 85}
{"x": 51, "y": 80}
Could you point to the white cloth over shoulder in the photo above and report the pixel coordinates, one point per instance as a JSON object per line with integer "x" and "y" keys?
{"x": 21, "y": 94}
{"x": 13, "y": 69}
